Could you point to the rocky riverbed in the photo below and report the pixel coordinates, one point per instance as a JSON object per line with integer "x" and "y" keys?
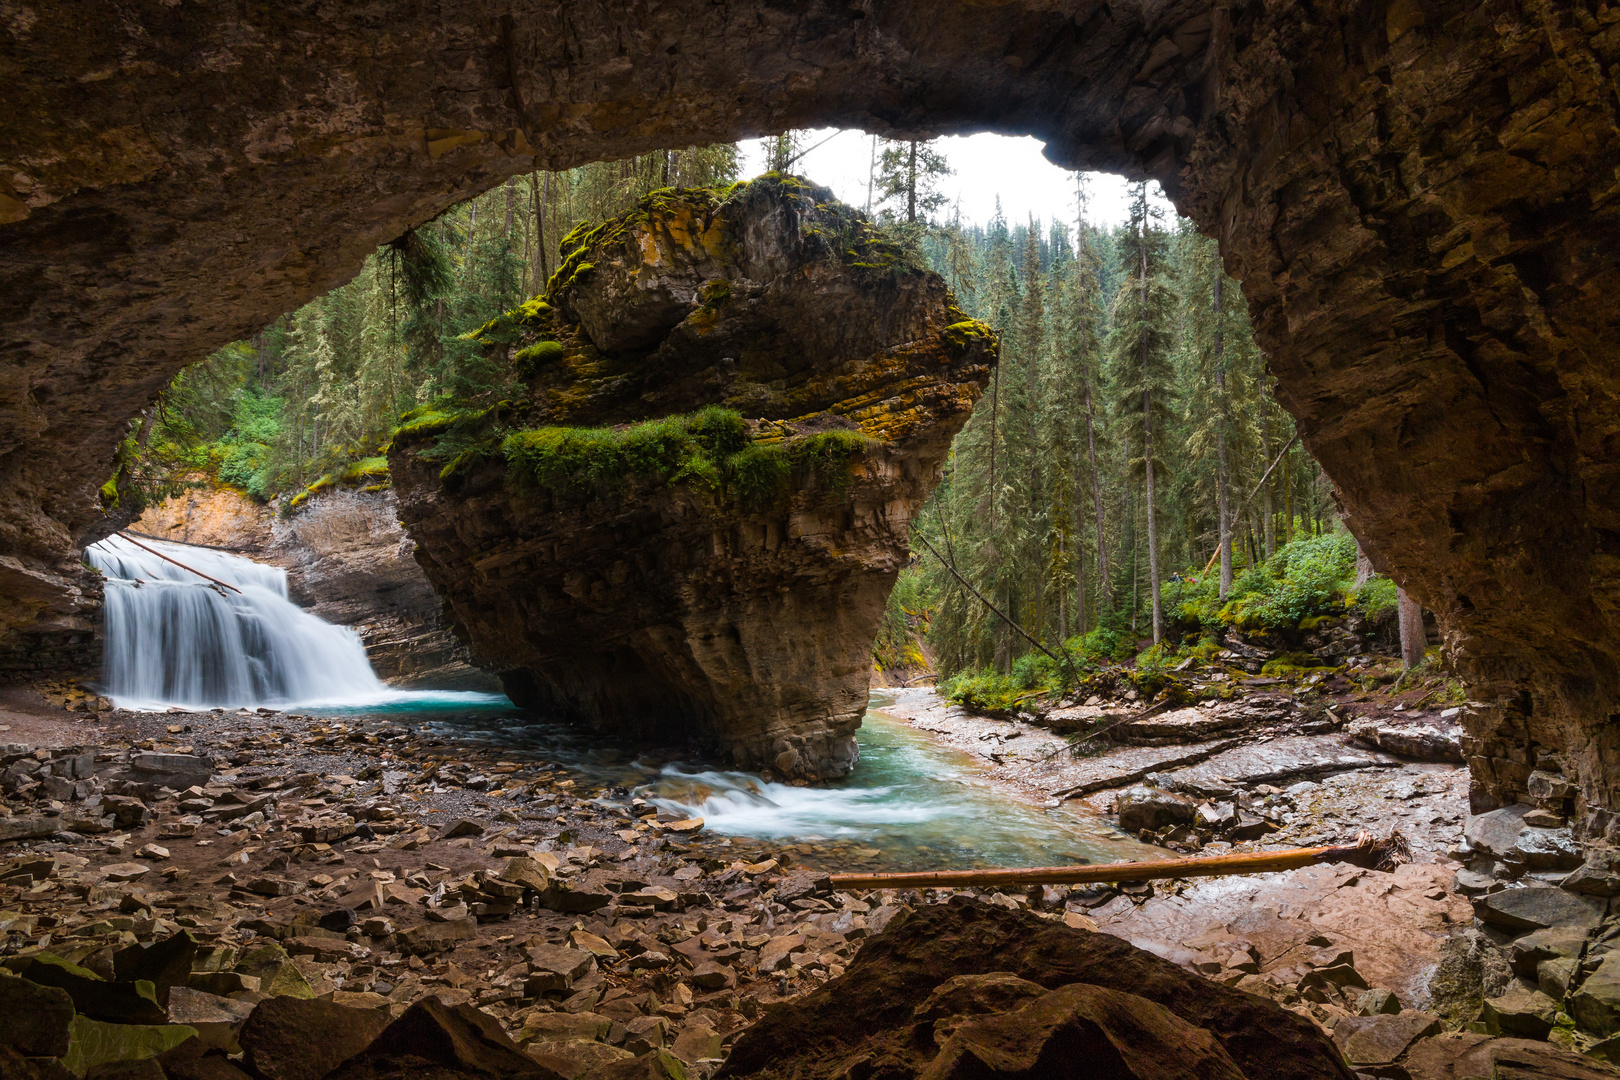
{"x": 271, "y": 873}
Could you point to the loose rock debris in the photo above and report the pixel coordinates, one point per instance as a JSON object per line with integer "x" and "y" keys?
{"x": 313, "y": 899}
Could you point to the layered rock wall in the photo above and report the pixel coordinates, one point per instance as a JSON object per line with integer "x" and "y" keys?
{"x": 721, "y": 574}
{"x": 1417, "y": 196}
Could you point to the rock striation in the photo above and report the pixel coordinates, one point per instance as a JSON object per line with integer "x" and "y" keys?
{"x": 690, "y": 524}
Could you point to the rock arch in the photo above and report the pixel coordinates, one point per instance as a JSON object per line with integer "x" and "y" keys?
{"x": 1418, "y": 195}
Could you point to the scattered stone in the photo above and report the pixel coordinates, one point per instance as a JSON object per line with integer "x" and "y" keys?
{"x": 1523, "y": 1012}
{"x": 1145, "y": 808}
{"x": 1115, "y": 1033}
{"x": 93, "y": 1042}
{"x": 434, "y": 1040}
{"x": 1373, "y": 1041}
{"x": 37, "y": 1018}
{"x": 290, "y": 1039}
{"x": 430, "y": 938}
{"x": 1596, "y": 1004}
{"x": 1378, "y": 1002}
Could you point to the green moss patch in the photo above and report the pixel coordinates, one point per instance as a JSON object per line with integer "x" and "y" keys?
{"x": 711, "y": 449}
{"x": 532, "y": 358}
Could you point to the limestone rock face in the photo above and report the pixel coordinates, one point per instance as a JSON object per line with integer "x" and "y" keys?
{"x": 1416, "y": 197}
{"x": 731, "y": 597}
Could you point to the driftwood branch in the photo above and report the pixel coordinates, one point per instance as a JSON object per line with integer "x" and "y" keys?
{"x": 1366, "y": 852}
{"x": 177, "y": 562}
{"x": 1274, "y": 463}
{"x": 981, "y": 598}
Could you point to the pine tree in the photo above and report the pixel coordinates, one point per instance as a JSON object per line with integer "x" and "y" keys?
{"x": 1139, "y": 352}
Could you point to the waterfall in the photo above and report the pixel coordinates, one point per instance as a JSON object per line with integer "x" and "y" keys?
{"x": 174, "y": 638}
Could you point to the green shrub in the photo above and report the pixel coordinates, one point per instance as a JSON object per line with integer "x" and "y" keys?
{"x": 985, "y": 691}
{"x": 1376, "y": 597}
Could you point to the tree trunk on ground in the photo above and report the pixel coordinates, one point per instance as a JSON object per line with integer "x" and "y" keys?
{"x": 1413, "y": 638}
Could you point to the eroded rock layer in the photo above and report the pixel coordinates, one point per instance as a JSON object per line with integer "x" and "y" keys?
{"x": 1418, "y": 198}
{"x": 720, "y": 571}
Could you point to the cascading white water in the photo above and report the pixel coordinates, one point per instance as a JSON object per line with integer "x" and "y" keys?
{"x": 174, "y": 638}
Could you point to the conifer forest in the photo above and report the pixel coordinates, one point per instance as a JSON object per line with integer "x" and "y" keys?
{"x": 1127, "y": 484}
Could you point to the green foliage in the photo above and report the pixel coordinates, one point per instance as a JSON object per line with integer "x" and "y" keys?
{"x": 760, "y": 476}
{"x": 1307, "y": 579}
{"x": 371, "y": 468}
{"x": 426, "y": 421}
{"x": 831, "y": 455}
{"x": 906, "y": 615}
{"x": 987, "y": 692}
{"x": 1376, "y": 598}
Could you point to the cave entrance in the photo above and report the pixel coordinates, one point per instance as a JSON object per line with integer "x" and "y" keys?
{"x": 1427, "y": 258}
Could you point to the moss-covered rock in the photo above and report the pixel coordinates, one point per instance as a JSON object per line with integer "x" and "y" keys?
{"x": 736, "y": 400}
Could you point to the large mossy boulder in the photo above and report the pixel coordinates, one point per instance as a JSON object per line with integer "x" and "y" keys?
{"x": 686, "y": 527}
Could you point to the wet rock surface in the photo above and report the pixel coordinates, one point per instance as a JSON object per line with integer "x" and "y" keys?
{"x": 735, "y": 610}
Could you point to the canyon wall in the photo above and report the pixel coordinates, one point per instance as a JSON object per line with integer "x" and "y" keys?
{"x": 716, "y": 575}
{"x": 1418, "y": 196}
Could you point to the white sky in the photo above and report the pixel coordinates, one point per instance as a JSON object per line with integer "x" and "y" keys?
{"x": 986, "y": 166}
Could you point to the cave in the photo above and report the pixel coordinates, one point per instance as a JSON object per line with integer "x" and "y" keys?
{"x": 1417, "y": 197}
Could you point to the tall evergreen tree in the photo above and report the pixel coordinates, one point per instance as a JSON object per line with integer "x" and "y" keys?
{"x": 1139, "y": 354}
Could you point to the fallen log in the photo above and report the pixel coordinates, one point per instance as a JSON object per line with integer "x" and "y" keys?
{"x": 1367, "y": 853}
{"x": 177, "y": 562}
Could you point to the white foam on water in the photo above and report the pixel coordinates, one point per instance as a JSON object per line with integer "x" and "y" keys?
{"x": 744, "y": 805}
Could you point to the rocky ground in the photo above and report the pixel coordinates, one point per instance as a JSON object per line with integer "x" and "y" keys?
{"x": 344, "y": 873}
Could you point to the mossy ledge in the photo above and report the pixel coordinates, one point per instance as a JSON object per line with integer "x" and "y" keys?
{"x": 685, "y": 526}
{"x": 713, "y": 450}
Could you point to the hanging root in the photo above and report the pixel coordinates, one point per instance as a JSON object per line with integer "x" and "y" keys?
{"x": 1371, "y": 853}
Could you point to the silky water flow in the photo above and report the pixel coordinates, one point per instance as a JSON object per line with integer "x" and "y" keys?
{"x": 174, "y": 638}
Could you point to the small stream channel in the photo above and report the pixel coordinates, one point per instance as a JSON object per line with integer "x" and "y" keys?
{"x": 201, "y": 628}
{"x": 910, "y": 803}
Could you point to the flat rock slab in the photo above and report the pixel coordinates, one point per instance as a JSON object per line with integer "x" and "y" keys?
{"x": 290, "y": 1039}
{"x": 1505, "y": 832}
{"x": 1278, "y": 762}
{"x": 1393, "y": 922}
{"x": 1434, "y": 740}
{"x": 1379, "y": 1040}
{"x": 1179, "y": 726}
{"x": 1464, "y": 1054}
{"x": 1120, "y": 768}
{"x": 1538, "y": 908}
